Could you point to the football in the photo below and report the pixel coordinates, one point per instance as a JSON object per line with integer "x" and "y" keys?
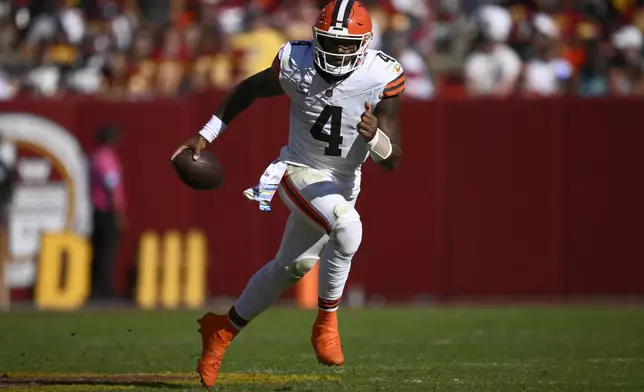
{"x": 206, "y": 173}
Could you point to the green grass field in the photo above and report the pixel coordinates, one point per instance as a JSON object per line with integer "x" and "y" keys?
{"x": 406, "y": 349}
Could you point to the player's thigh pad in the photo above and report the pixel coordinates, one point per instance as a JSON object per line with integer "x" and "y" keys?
{"x": 315, "y": 196}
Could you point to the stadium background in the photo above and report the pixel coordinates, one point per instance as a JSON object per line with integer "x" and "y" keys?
{"x": 518, "y": 219}
{"x": 525, "y": 195}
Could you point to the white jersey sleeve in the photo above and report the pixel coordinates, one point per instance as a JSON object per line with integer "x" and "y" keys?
{"x": 388, "y": 75}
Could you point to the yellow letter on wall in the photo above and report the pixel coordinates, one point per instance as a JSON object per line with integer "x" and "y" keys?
{"x": 171, "y": 275}
{"x": 172, "y": 270}
{"x": 146, "y": 288}
{"x": 196, "y": 270}
{"x": 53, "y": 290}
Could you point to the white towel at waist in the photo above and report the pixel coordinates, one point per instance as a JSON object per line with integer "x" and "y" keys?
{"x": 268, "y": 185}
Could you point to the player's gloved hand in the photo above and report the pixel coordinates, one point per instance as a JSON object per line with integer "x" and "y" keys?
{"x": 195, "y": 143}
{"x": 368, "y": 125}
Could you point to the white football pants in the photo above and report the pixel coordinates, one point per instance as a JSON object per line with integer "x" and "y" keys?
{"x": 323, "y": 226}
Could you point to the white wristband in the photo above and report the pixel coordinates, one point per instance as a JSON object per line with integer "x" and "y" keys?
{"x": 212, "y": 129}
{"x": 380, "y": 146}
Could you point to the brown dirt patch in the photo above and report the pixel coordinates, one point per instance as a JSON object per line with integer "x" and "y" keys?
{"x": 177, "y": 381}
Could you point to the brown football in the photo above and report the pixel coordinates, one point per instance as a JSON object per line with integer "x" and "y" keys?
{"x": 206, "y": 173}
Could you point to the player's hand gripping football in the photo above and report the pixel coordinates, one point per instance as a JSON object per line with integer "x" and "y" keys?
{"x": 195, "y": 143}
{"x": 368, "y": 126}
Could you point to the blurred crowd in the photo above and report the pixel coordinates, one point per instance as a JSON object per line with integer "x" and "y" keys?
{"x": 138, "y": 49}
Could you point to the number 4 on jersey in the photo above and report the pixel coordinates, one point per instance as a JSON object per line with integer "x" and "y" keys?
{"x": 334, "y": 138}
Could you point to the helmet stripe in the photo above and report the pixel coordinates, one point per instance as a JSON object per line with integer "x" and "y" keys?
{"x": 347, "y": 13}
{"x": 342, "y": 13}
{"x": 336, "y": 12}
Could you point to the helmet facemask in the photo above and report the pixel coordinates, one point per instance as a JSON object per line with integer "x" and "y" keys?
{"x": 339, "y": 53}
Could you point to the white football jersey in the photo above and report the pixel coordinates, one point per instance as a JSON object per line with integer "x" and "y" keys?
{"x": 324, "y": 116}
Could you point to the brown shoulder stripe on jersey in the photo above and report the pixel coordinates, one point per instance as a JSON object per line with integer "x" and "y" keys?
{"x": 276, "y": 66}
{"x": 396, "y": 82}
{"x": 393, "y": 93}
{"x": 394, "y": 88}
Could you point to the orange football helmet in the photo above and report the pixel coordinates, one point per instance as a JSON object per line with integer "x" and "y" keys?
{"x": 345, "y": 24}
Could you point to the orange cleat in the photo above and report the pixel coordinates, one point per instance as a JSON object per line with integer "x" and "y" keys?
{"x": 326, "y": 339}
{"x": 216, "y": 335}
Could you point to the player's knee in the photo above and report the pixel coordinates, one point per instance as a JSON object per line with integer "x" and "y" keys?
{"x": 347, "y": 230}
{"x": 294, "y": 270}
{"x": 301, "y": 267}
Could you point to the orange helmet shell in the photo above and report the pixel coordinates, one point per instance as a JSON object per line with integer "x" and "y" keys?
{"x": 344, "y": 16}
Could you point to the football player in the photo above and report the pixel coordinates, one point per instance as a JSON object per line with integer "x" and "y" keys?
{"x": 344, "y": 108}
